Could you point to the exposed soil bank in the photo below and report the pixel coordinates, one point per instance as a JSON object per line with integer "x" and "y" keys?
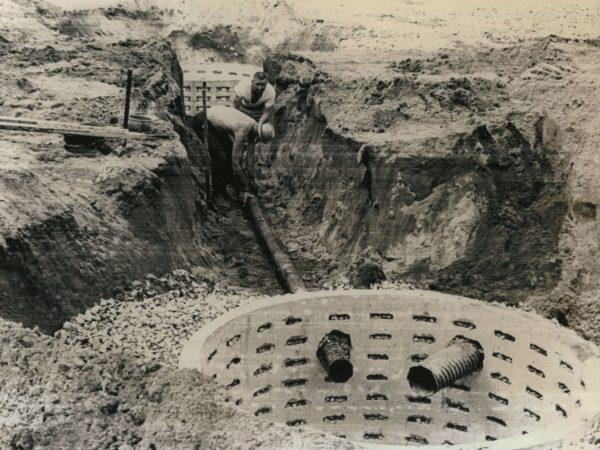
{"x": 89, "y": 223}
{"x": 454, "y": 184}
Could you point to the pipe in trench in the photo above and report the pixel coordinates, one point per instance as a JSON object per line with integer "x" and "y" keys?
{"x": 281, "y": 262}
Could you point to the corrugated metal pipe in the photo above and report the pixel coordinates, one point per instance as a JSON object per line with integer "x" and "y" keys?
{"x": 462, "y": 356}
{"x": 334, "y": 354}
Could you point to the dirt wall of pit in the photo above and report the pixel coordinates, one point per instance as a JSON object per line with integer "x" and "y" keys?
{"x": 474, "y": 208}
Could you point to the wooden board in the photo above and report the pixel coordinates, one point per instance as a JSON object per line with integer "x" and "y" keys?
{"x": 76, "y": 129}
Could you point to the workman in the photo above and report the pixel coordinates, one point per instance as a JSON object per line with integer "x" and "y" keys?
{"x": 230, "y": 132}
{"x": 255, "y": 97}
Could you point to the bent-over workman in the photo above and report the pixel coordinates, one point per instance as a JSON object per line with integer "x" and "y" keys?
{"x": 229, "y": 130}
{"x": 255, "y": 97}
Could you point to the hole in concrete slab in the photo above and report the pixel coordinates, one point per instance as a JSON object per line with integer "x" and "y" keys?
{"x": 418, "y": 357}
{"x": 370, "y": 436}
{"x": 503, "y": 357}
{"x": 383, "y": 336}
{"x": 296, "y": 423}
{"x": 377, "y": 356}
{"x": 262, "y": 391}
{"x": 212, "y": 355}
{"x": 531, "y": 414}
{"x": 377, "y": 397}
{"x": 384, "y": 316}
{"x": 459, "y": 406}
{"x": 505, "y": 336}
{"x": 496, "y": 420}
{"x": 264, "y": 327}
{"x": 233, "y": 384}
{"x": 292, "y": 320}
{"x": 538, "y": 349}
{"x": 265, "y": 348}
{"x": 376, "y": 377}
{"x": 566, "y": 366}
{"x": 263, "y": 410}
{"x": 536, "y": 371}
{"x": 296, "y": 340}
{"x": 233, "y": 362}
{"x": 263, "y": 369}
{"x": 232, "y": 340}
{"x": 498, "y": 398}
{"x": 425, "y": 338}
{"x": 424, "y": 318}
{"x": 334, "y": 418}
{"x": 339, "y": 317}
{"x": 336, "y": 398}
{"x": 460, "y": 387}
{"x": 563, "y": 387}
{"x": 498, "y": 376}
{"x": 375, "y": 416}
{"x": 416, "y": 439}
{"x": 293, "y": 403}
{"x": 534, "y": 393}
{"x": 294, "y": 382}
{"x": 419, "y": 418}
{"x": 291, "y": 362}
{"x": 465, "y": 324}
{"x": 458, "y": 427}
{"x": 561, "y": 410}
{"x": 418, "y": 399}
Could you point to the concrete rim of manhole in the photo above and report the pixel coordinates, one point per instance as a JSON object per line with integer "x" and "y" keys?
{"x": 231, "y": 347}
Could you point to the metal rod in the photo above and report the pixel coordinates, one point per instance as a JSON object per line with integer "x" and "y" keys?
{"x": 127, "y": 98}
{"x": 462, "y": 356}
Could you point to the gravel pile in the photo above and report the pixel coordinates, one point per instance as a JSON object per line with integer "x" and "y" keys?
{"x": 108, "y": 379}
{"x": 154, "y": 319}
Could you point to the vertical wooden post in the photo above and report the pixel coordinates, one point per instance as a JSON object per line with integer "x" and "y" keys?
{"x": 127, "y": 98}
{"x": 205, "y": 124}
{"x": 208, "y": 173}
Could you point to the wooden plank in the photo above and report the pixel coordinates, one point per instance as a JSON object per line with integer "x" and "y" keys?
{"x": 77, "y": 129}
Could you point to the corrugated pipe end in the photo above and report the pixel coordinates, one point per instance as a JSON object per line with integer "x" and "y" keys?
{"x": 334, "y": 354}
{"x": 461, "y": 357}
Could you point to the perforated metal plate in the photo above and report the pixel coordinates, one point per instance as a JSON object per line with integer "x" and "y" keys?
{"x": 532, "y": 383}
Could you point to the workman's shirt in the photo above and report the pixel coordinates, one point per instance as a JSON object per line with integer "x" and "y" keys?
{"x": 244, "y": 91}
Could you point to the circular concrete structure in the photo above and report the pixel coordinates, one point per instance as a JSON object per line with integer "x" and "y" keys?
{"x": 538, "y": 384}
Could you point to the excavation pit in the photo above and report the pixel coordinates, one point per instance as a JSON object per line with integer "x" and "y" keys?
{"x": 536, "y": 387}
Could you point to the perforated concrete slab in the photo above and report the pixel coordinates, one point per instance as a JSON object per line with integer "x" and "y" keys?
{"x": 534, "y": 385}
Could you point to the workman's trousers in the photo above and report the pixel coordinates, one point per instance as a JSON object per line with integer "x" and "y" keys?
{"x": 219, "y": 146}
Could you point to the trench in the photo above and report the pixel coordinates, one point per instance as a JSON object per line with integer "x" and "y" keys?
{"x": 135, "y": 221}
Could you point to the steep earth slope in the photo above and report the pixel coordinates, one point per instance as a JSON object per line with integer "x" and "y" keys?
{"x": 460, "y": 170}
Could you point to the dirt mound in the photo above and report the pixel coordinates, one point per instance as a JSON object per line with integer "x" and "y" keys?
{"x": 108, "y": 380}
{"x": 477, "y": 207}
